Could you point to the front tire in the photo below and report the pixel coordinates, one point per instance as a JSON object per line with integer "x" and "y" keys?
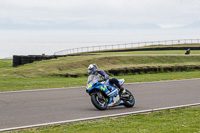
{"x": 130, "y": 102}
{"x": 99, "y": 103}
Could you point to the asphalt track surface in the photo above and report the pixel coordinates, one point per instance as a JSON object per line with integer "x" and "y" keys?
{"x": 45, "y": 106}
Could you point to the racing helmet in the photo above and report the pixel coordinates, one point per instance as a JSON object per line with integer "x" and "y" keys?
{"x": 92, "y": 68}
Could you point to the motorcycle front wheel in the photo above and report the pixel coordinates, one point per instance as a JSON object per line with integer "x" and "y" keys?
{"x": 130, "y": 102}
{"x": 99, "y": 102}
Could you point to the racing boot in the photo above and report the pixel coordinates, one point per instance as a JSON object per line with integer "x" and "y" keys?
{"x": 122, "y": 93}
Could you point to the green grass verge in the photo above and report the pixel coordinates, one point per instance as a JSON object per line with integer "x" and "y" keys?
{"x": 181, "y": 120}
{"x": 44, "y": 74}
{"x": 5, "y": 64}
{"x": 78, "y": 64}
{"x": 14, "y": 84}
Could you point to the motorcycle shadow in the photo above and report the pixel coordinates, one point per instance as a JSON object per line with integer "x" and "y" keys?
{"x": 111, "y": 109}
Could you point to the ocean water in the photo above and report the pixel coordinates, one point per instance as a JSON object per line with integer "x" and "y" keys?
{"x": 37, "y": 42}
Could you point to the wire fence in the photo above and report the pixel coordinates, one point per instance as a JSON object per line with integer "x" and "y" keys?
{"x": 125, "y": 46}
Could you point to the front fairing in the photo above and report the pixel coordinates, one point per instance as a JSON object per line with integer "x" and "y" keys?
{"x": 96, "y": 85}
{"x": 91, "y": 85}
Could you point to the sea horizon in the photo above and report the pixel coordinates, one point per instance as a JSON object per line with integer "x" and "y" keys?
{"x": 38, "y": 42}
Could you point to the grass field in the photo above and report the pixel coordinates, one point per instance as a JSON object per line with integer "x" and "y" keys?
{"x": 50, "y": 73}
{"x": 19, "y": 80}
{"x": 12, "y": 84}
{"x": 44, "y": 74}
{"x": 78, "y": 64}
{"x": 5, "y": 64}
{"x": 182, "y": 120}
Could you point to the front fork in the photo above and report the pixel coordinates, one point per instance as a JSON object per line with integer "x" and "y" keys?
{"x": 101, "y": 97}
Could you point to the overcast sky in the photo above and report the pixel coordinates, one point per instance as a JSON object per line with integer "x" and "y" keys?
{"x": 98, "y": 13}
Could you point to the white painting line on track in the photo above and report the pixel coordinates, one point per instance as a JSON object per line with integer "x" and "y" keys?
{"x": 6, "y": 92}
{"x": 98, "y": 117}
{"x": 39, "y": 90}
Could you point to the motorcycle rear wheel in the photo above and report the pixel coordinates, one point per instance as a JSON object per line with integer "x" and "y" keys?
{"x": 99, "y": 103}
{"x": 131, "y": 101}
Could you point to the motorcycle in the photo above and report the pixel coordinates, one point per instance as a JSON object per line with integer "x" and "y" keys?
{"x": 104, "y": 95}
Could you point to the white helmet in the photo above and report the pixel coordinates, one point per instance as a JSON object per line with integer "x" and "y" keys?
{"x": 92, "y": 68}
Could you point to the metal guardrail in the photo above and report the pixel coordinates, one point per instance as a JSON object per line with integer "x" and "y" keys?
{"x": 125, "y": 46}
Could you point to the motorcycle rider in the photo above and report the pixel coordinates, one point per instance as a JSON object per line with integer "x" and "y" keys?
{"x": 102, "y": 76}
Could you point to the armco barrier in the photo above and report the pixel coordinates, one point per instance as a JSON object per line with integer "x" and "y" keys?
{"x": 25, "y": 59}
{"x": 137, "y": 45}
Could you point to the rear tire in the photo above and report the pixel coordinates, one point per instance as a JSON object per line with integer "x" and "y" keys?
{"x": 99, "y": 103}
{"x": 131, "y": 101}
